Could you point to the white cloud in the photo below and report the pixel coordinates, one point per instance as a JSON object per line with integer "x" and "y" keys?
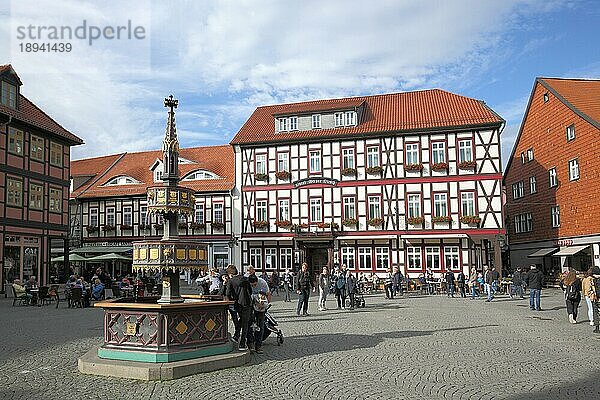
{"x": 223, "y": 58}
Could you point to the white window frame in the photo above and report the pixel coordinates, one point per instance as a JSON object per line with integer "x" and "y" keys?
{"x": 283, "y": 162}
{"x": 261, "y": 164}
{"x": 574, "y": 169}
{"x": 349, "y": 207}
{"x": 314, "y": 157}
{"x": 256, "y": 257}
{"x": 293, "y": 122}
{"x": 316, "y": 121}
{"x": 412, "y": 153}
{"x": 348, "y": 257}
{"x": 285, "y": 259}
{"x": 529, "y": 154}
{"x": 128, "y": 215}
{"x": 465, "y": 150}
{"x": 373, "y": 157}
{"x": 270, "y": 259}
{"x": 440, "y": 205}
{"x": 438, "y": 152}
{"x": 365, "y": 258}
{"x": 374, "y": 207}
{"x": 555, "y": 216}
{"x": 414, "y": 205}
{"x": 451, "y": 258}
{"x": 467, "y": 203}
{"x": 111, "y": 219}
{"x": 382, "y": 258}
{"x": 350, "y": 118}
{"x": 283, "y": 208}
{"x": 414, "y": 256}
{"x": 532, "y": 184}
{"x": 570, "y": 132}
{"x": 283, "y": 124}
{"x": 339, "y": 119}
{"x": 93, "y": 217}
{"x": 218, "y": 213}
{"x": 552, "y": 177}
{"x": 518, "y": 190}
{"x": 261, "y": 210}
{"x": 432, "y": 258}
{"x": 143, "y": 214}
{"x": 199, "y": 213}
{"x": 316, "y": 210}
{"x": 348, "y": 158}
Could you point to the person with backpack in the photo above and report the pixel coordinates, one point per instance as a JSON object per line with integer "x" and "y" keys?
{"x": 571, "y": 286}
{"x": 240, "y": 292}
{"x": 351, "y": 289}
{"x": 340, "y": 287}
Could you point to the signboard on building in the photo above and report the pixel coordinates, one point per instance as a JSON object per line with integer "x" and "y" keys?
{"x": 315, "y": 181}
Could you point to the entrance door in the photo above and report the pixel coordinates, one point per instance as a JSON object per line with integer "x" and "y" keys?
{"x": 317, "y": 258}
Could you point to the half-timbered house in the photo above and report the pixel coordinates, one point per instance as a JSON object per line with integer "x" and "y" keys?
{"x": 34, "y": 183}
{"x": 408, "y": 179}
{"x": 109, "y": 207}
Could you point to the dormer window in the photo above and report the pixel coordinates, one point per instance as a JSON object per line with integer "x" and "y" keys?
{"x": 122, "y": 180}
{"x": 199, "y": 175}
{"x": 316, "y": 121}
{"x": 293, "y": 123}
{"x": 9, "y": 95}
{"x": 288, "y": 124}
{"x": 158, "y": 175}
{"x": 283, "y": 124}
{"x": 347, "y": 118}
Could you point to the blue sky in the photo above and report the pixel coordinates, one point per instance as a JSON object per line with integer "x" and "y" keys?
{"x": 224, "y": 58}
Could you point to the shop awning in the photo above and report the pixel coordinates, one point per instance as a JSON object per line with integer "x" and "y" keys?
{"x": 72, "y": 257}
{"x": 265, "y": 238}
{"x": 102, "y": 249}
{"x": 109, "y": 257}
{"x": 371, "y": 237}
{"x": 569, "y": 251}
{"x": 543, "y": 252}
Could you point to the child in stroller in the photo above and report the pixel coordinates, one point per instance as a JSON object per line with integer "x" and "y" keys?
{"x": 359, "y": 296}
{"x": 271, "y": 326}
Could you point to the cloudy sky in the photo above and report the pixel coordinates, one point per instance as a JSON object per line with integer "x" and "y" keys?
{"x": 224, "y": 58}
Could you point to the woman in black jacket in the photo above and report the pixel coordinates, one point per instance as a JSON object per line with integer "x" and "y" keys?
{"x": 571, "y": 286}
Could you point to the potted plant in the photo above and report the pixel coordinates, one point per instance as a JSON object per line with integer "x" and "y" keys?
{"x": 218, "y": 225}
{"x": 413, "y": 167}
{"x": 444, "y": 218}
{"x": 260, "y": 224}
{"x": 261, "y": 177}
{"x": 125, "y": 227}
{"x": 467, "y": 165}
{"x": 441, "y": 166}
{"x": 334, "y": 225}
{"x": 158, "y": 227}
{"x": 375, "y": 222}
{"x": 108, "y": 228}
{"x": 350, "y": 222}
{"x": 197, "y": 225}
{"x": 91, "y": 229}
{"x": 182, "y": 225}
{"x": 283, "y": 175}
{"x": 349, "y": 171}
{"x": 285, "y": 224}
{"x": 323, "y": 225}
{"x": 374, "y": 170}
{"x": 415, "y": 220}
{"x": 470, "y": 219}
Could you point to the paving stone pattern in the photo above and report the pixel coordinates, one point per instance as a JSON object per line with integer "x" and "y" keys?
{"x": 415, "y": 347}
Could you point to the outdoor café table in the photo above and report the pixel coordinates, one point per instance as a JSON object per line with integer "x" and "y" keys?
{"x": 35, "y": 293}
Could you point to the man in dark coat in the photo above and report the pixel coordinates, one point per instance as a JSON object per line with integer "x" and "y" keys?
{"x": 240, "y": 291}
{"x": 450, "y": 283}
{"x": 534, "y": 280}
{"x": 305, "y": 283}
{"x": 517, "y": 282}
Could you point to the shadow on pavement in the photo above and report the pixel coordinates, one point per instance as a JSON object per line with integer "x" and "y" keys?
{"x": 583, "y": 388}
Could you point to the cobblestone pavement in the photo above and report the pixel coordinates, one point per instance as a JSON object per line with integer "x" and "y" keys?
{"x": 414, "y": 347}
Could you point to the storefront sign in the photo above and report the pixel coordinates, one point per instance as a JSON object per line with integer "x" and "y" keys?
{"x": 107, "y": 244}
{"x": 315, "y": 181}
{"x": 563, "y": 242}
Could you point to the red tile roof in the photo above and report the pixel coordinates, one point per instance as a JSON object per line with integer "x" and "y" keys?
{"x": 581, "y": 95}
{"x": 396, "y": 112}
{"x": 31, "y": 114}
{"x": 216, "y": 159}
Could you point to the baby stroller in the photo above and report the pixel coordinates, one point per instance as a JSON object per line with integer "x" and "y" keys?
{"x": 272, "y": 327}
{"x": 359, "y": 296}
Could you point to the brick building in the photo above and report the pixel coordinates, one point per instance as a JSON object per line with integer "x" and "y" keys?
{"x": 34, "y": 183}
{"x": 553, "y": 178}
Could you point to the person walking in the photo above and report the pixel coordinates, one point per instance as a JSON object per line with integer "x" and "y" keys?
{"x": 517, "y": 283}
{"x": 473, "y": 282}
{"x": 534, "y": 280}
{"x": 305, "y": 283}
{"x": 449, "y": 277}
{"x": 351, "y": 288}
{"x": 571, "y": 286}
{"x": 389, "y": 284}
{"x": 397, "y": 282}
{"x": 462, "y": 281}
{"x": 587, "y": 289}
{"x": 595, "y": 293}
{"x": 324, "y": 283}
{"x": 340, "y": 287}
{"x": 287, "y": 285}
{"x": 240, "y": 292}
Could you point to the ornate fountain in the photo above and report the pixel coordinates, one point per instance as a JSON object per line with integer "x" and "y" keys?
{"x": 189, "y": 334}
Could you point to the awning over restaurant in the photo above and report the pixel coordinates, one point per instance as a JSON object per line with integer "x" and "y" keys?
{"x": 569, "y": 251}
{"x": 72, "y": 257}
{"x": 109, "y": 257}
{"x": 543, "y": 252}
{"x": 102, "y": 249}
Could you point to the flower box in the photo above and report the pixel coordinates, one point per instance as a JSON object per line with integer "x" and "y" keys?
{"x": 441, "y": 166}
{"x": 470, "y": 219}
{"x": 91, "y": 229}
{"x": 108, "y": 228}
{"x": 413, "y": 167}
{"x": 283, "y": 175}
{"x": 415, "y": 220}
{"x": 260, "y": 224}
{"x": 182, "y": 225}
{"x": 261, "y": 177}
{"x": 284, "y": 224}
{"x": 159, "y": 227}
{"x": 334, "y": 225}
{"x": 144, "y": 227}
{"x": 467, "y": 165}
{"x": 323, "y": 225}
{"x": 350, "y": 222}
{"x": 445, "y": 218}
{"x": 349, "y": 172}
{"x": 374, "y": 170}
{"x": 375, "y": 222}
{"x": 197, "y": 226}
{"x": 218, "y": 225}
{"x": 126, "y": 227}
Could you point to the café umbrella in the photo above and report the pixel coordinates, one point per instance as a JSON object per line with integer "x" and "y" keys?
{"x": 110, "y": 257}
{"x": 72, "y": 258}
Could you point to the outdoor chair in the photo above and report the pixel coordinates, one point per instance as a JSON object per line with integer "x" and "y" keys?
{"x": 53, "y": 294}
{"x": 76, "y": 297}
{"x": 43, "y": 296}
{"x": 23, "y": 300}
{"x": 108, "y": 294}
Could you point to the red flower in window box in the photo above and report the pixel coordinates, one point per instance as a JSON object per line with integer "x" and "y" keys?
{"x": 375, "y": 222}
{"x": 350, "y": 222}
{"x": 218, "y": 225}
{"x": 441, "y": 166}
{"x": 260, "y": 224}
{"x": 415, "y": 220}
{"x": 261, "y": 177}
{"x": 413, "y": 167}
{"x": 467, "y": 165}
{"x": 283, "y": 224}
{"x": 283, "y": 175}
{"x": 158, "y": 227}
{"x": 349, "y": 171}
{"x": 126, "y": 227}
{"x": 91, "y": 229}
{"x": 197, "y": 226}
{"x": 108, "y": 228}
{"x": 470, "y": 219}
{"x": 323, "y": 225}
{"x": 374, "y": 170}
{"x": 182, "y": 225}
{"x": 445, "y": 218}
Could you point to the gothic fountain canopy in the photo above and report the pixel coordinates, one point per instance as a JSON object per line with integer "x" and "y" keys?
{"x": 170, "y": 200}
